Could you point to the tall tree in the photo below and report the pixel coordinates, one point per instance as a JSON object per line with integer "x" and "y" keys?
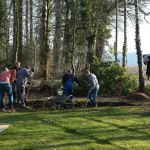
{"x": 138, "y": 48}
{"x": 3, "y": 29}
{"x": 15, "y": 32}
{"x": 20, "y": 29}
{"x": 116, "y": 36}
{"x": 57, "y": 35}
{"x": 27, "y": 21}
{"x": 124, "y": 54}
{"x": 44, "y": 47}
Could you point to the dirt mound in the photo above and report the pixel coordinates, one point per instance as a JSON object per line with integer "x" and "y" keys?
{"x": 139, "y": 96}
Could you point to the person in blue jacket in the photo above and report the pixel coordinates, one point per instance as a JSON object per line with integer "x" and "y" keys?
{"x": 68, "y": 81}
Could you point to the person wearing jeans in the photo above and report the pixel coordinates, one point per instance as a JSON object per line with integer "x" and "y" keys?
{"x": 92, "y": 96}
{"x": 22, "y": 76}
{"x": 6, "y": 77}
{"x": 94, "y": 87}
{"x": 14, "y": 88}
{"x": 68, "y": 81}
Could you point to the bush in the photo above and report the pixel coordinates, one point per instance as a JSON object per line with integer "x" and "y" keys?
{"x": 3, "y": 65}
{"x": 147, "y": 90}
{"x": 113, "y": 79}
{"x": 83, "y": 90}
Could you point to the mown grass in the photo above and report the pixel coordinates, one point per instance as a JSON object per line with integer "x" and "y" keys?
{"x": 102, "y": 128}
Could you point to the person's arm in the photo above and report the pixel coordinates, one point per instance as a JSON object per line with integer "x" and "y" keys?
{"x": 27, "y": 73}
{"x": 64, "y": 78}
{"x": 77, "y": 81}
{"x": 13, "y": 75}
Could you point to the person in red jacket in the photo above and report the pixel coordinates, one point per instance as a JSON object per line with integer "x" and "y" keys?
{"x": 6, "y": 77}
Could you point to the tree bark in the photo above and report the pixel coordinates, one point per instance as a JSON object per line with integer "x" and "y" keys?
{"x": 138, "y": 48}
{"x": 124, "y": 54}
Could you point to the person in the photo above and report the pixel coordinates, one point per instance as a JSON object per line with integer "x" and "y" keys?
{"x": 94, "y": 87}
{"x": 148, "y": 68}
{"x": 68, "y": 81}
{"x": 17, "y": 68}
{"x": 22, "y": 76}
{"x": 6, "y": 77}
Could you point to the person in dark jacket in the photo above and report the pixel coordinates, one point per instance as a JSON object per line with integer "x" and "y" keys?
{"x": 148, "y": 68}
{"x": 68, "y": 81}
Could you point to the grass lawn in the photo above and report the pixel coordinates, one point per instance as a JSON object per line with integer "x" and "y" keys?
{"x": 102, "y": 128}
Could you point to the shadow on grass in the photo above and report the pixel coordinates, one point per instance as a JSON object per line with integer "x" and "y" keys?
{"x": 75, "y": 132}
{"x": 132, "y": 129}
{"x": 87, "y": 137}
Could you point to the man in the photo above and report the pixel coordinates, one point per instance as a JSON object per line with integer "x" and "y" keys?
{"x": 17, "y": 68}
{"x": 6, "y": 77}
{"x": 22, "y": 76}
{"x": 68, "y": 81}
{"x": 94, "y": 87}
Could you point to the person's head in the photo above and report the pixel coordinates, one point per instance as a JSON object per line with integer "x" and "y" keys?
{"x": 5, "y": 69}
{"x": 87, "y": 72}
{"x": 18, "y": 64}
{"x": 69, "y": 71}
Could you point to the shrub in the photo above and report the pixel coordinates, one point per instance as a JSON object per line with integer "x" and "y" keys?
{"x": 113, "y": 79}
{"x": 3, "y": 65}
{"x": 147, "y": 90}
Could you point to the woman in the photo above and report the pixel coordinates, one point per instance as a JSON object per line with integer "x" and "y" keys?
{"x": 6, "y": 77}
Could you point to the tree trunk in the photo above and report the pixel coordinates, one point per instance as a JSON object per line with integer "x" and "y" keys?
{"x": 124, "y": 54}
{"x": 100, "y": 47}
{"x": 44, "y": 48}
{"x": 27, "y": 21}
{"x": 138, "y": 48}
{"x": 15, "y": 32}
{"x": 116, "y": 40}
{"x": 57, "y": 36}
{"x": 20, "y": 36}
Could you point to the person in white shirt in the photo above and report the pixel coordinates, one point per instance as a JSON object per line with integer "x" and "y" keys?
{"x": 94, "y": 87}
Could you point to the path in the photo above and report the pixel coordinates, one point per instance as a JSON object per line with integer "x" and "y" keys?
{"x": 3, "y": 127}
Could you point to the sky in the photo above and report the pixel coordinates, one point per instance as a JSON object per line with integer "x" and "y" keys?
{"x": 144, "y": 36}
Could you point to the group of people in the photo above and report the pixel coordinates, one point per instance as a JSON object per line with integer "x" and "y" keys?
{"x": 69, "y": 79}
{"x": 12, "y": 83}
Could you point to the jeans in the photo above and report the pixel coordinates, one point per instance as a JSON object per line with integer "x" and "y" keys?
{"x": 92, "y": 96}
{"x": 6, "y": 88}
{"x": 14, "y": 91}
{"x": 21, "y": 95}
{"x": 68, "y": 88}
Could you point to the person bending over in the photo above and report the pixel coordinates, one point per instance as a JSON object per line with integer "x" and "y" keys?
{"x": 6, "y": 77}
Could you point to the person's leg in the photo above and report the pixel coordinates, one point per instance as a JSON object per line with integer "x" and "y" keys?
{"x": 2, "y": 93}
{"x": 92, "y": 97}
{"x": 14, "y": 91}
{"x": 21, "y": 95}
{"x": 8, "y": 89}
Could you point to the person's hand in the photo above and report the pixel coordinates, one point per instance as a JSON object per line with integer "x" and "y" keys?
{"x": 32, "y": 70}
